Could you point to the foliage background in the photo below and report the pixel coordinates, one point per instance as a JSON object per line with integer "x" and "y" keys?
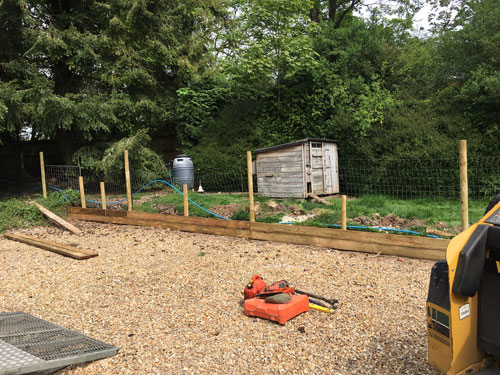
{"x": 225, "y": 76}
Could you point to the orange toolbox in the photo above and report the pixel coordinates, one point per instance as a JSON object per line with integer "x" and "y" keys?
{"x": 280, "y": 313}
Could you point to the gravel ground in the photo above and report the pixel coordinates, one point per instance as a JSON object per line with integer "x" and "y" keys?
{"x": 172, "y": 302}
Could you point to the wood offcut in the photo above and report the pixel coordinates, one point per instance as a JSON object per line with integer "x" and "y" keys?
{"x": 55, "y": 247}
{"x": 56, "y": 219}
{"x": 319, "y": 199}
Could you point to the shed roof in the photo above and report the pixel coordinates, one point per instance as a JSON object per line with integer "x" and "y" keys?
{"x": 299, "y": 142}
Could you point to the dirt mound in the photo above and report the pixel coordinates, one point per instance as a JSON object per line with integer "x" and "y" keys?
{"x": 297, "y": 218}
{"x": 388, "y": 221}
{"x": 167, "y": 209}
{"x": 226, "y": 210}
{"x": 272, "y": 206}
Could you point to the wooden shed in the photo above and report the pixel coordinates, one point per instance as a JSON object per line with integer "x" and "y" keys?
{"x": 297, "y": 169}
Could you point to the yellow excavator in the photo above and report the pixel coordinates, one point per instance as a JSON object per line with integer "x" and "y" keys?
{"x": 463, "y": 302}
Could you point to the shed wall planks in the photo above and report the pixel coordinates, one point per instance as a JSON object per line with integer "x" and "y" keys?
{"x": 297, "y": 170}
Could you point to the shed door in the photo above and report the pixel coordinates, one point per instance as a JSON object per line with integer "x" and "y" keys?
{"x": 327, "y": 169}
{"x": 317, "y": 177}
{"x": 330, "y": 168}
{"x": 324, "y": 174}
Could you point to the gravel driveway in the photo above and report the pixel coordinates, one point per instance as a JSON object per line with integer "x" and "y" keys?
{"x": 172, "y": 302}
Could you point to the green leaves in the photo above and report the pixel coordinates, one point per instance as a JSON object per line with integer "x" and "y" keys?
{"x": 98, "y": 70}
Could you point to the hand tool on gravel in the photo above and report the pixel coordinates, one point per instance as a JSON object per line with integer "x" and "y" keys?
{"x": 331, "y": 301}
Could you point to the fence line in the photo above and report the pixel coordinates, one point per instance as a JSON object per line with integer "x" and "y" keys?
{"x": 401, "y": 178}
{"x": 419, "y": 178}
{"x": 63, "y": 176}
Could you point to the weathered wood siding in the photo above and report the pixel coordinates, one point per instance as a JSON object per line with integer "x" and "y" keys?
{"x": 280, "y": 173}
{"x": 322, "y": 167}
{"x": 332, "y": 158}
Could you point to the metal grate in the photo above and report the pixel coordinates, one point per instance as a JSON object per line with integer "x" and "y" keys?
{"x": 30, "y": 344}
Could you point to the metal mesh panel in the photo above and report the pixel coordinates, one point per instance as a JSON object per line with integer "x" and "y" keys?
{"x": 28, "y": 343}
{"x": 17, "y": 323}
{"x": 113, "y": 186}
{"x": 402, "y": 178}
{"x": 419, "y": 178}
{"x": 11, "y": 358}
{"x": 55, "y": 344}
{"x": 235, "y": 181}
{"x": 62, "y": 176}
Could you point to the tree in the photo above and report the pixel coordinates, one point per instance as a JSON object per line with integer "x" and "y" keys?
{"x": 86, "y": 71}
{"x": 475, "y": 50}
{"x": 451, "y": 14}
{"x": 336, "y": 11}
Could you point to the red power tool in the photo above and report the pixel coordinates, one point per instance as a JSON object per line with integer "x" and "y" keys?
{"x": 278, "y": 287}
{"x": 254, "y": 287}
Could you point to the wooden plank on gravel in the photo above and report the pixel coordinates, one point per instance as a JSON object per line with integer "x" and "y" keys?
{"x": 55, "y": 247}
{"x": 388, "y": 244}
{"x": 58, "y": 220}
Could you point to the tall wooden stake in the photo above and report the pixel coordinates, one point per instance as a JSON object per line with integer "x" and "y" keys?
{"x": 250, "y": 186}
{"x": 82, "y": 192}
{"x": 464, "y": 187}
{"x": 103, "y": 196}
{"x": 127, "y": 180}
{"x": 42, "y": 172}
{"x": 186, "y": 202}
{"x": 343, "y": 210}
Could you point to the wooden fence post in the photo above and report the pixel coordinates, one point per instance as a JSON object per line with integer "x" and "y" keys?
{"x": 250, "y": 186}
{"x": 127, "y": 180}
{"x": 464, "y": 187}
{"x": 186, "y": 202}
{"x": 343, "y": 210}
{"x": 82, "y": 192}
{"x": 103, "y": 196}
{"x": 42, "y": 172}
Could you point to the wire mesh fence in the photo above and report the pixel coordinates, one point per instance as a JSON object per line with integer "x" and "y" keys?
{"x": 115, "y": 188}
{"x": 114, "y": 185}
{"x": 419, "y": 178}
{"x": 484, "y": 176}
{"x": 228, "y": 179}
{"x": 63, "y": 176}
{"x": 230, "y": 182}
{"x": 401, "y": 178}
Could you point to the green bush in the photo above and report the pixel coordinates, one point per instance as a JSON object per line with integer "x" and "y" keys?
{"x": 15, "y": 213}
{"x": 18, "y": 213}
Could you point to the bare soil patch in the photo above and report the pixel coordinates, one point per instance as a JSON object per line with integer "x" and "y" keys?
{"x": 389, "y": 221}
{"x": 226, "y": 210}
{"x": 167, "y": 209}
{"x": 171, "y": 301}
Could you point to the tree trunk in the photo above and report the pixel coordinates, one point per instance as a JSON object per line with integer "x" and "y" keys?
{"x": 332, "y": 9}
{"x": 65, "y": 141}
{"x": 314, "y": 15}
{"x": 14, "y": 145}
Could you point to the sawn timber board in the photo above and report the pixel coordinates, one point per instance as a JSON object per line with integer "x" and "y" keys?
{"x": 388, "y": 244}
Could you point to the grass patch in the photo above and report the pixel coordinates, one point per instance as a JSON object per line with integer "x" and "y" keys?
{"x": 431, "y": 211}
{"x": 17, "y": 213}
{"x": 205, "y": 200}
